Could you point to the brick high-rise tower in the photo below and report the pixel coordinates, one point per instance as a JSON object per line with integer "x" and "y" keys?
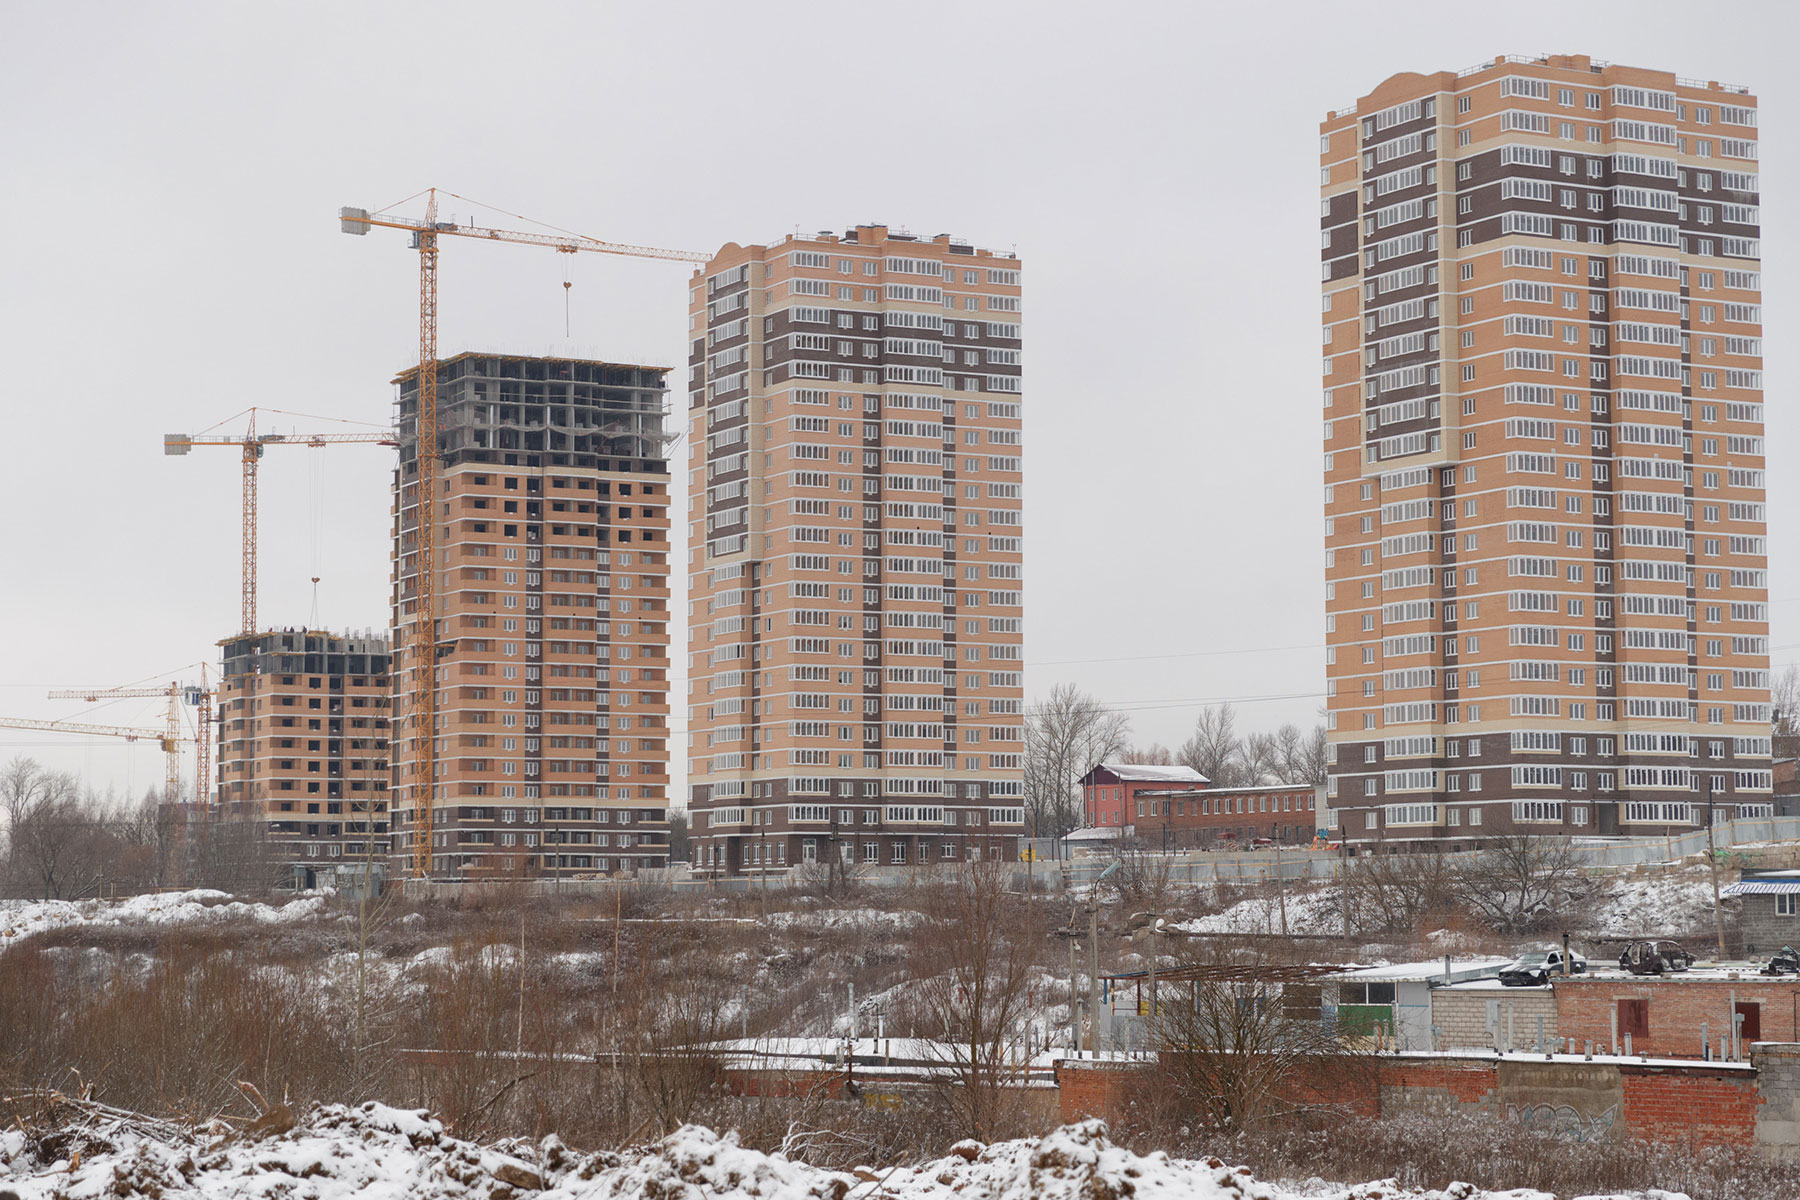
{"x": 1546, "y": 559}
{"x": 553, "y": 619}
{"x": 854, "y": 553}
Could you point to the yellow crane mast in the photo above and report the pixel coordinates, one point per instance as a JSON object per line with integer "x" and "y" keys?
{"x": 422, "y": 675}
{"x": 252, "y": 444}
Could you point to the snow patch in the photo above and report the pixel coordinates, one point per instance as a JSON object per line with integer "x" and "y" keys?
{"x": 20, "y": 920}
{"x": 340, "y": 1153}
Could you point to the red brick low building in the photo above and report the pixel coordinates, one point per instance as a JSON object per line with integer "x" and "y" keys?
{"x": 1110, "y": 792}
{"x": 1211, "y": 818}
{"x": 1177, "y": 808}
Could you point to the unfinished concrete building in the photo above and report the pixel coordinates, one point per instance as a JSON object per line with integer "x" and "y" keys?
{"x": 303, "y": 748}
{"x": 552, "y": 563}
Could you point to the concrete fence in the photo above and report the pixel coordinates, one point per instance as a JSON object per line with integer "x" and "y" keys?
{"x": 1196, "y": 868}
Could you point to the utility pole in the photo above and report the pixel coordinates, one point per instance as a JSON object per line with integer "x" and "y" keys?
{"x": 1074, "y": 1001}
{"x": 1153, "y": 919}
{"x": 1093, "y": 1004}
{"x": 1280, "y": 883}
{"x": 1344, "y": 884}
{"x": 618, "y": 932}
{"x": 1712, "y": 862}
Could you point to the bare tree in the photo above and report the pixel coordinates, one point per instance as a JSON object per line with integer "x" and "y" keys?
{"x": 1517, "y": 884}
{"x": 1244, "y": 1044}
{"x": 1143, "y": 882}
{"x": 54, "y": 833}
{"x": 1066, "y": 734}
{"x": 1786, "y": 697}
{"x": 1398, "y": 892}
{"x": 1213, "y": 748}
{"x": 1154, "y": 755}
{"x": 1290, "y": 753}
{"x": 974, "y": 971}
{"x": 1259, "y": 760}
{"x": 1316, "y": 758}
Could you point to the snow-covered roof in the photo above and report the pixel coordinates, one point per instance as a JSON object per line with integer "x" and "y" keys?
{"x": 1095, "y": 833}
{"x": 1460, "y": 969}
{"x": 1140, "y": 772}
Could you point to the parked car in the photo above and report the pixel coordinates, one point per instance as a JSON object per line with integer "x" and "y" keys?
{"x": 1655, "y": 958}
{"x": 1535, "y": 968}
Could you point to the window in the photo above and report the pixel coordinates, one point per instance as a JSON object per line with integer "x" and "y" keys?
{"x": 1787, "y": 904}
{"x": 1634, "y": 1018}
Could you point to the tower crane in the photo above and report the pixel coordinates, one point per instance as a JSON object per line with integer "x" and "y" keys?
{"x": 252, "y": 445}
{"x": 426, "y": 230}
{"x": 169, "y": 739}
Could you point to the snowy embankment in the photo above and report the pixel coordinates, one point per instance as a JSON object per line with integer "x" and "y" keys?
{"x": 338, "y": 1153}
{"x": 1673, "y": 901}
{"x": 200, "y": 907}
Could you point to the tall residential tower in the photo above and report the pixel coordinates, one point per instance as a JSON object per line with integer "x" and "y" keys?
{"x": 854, "y": 562}
{"x": 553, "y": 619}
{"x": 1546, "y": 563}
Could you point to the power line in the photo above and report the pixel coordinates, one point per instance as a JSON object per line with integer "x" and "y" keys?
{"x": 1067, "y": 662}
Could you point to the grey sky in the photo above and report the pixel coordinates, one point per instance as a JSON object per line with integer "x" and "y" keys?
{"x": 169, "y": 255}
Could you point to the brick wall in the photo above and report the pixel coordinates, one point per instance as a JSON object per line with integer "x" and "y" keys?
{"x": 1688, "y": 1103}
{"x": 1478, "y": 1018}
{"x": 1696, "y": 1105}
{"x": 1677, "y": 1007}
{"x": 1439, "y": 1083}
{"x": 1094, "y": 1089}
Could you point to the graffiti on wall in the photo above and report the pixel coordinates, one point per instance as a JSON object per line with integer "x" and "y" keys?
{"x": 1563, "y": 1121}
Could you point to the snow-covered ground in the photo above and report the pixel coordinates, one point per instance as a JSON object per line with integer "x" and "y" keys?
{"x": 858, "y": 919}
{"x": 1310, "y": 910}
{"x": 1676, "y": 901}
{"x": 337, "y": 1153}
{"x": 20, "y": 920}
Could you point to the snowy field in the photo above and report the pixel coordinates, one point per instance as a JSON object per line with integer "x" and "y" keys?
{"x": 336, "y": 1153}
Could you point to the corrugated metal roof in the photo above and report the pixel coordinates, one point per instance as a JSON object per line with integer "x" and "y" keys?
{"x": 1761, "y": 887}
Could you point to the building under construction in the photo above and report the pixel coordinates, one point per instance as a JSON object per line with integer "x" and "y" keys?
{"x": 303, "y": 749}
{"x": 552, "y": 602}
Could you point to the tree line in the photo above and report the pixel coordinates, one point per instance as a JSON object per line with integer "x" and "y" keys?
{"x": 65, "y": 841}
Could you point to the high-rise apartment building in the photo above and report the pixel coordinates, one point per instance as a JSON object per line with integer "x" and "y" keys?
{"x": 303, "y": 749}
{"x": 1546, "y": 558}
{"x": 553, "y": 618}
{"x": 855, "y": 569}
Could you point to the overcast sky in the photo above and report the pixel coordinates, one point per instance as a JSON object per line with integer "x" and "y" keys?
{"x": 169, "y": 256}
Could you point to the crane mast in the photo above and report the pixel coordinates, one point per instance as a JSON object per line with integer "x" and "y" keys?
{"x": 252, "y": 445}
{"x": 422, "y": 675}
{"x": 423, "y": 650}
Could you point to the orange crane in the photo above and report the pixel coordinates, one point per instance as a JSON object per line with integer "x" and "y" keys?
{"x": 253, "y": 444}
{"x": 426, "y": 230}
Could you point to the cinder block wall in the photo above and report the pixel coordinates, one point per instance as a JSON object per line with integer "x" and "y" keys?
{"x": 1462, "y": 1018}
